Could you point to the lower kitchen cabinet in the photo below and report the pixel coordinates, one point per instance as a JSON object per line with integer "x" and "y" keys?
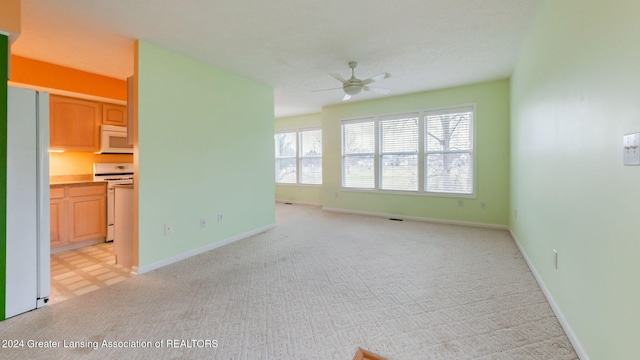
{"x": 79, "y": 215}
{"x": 87, "y": 213}
{"x": 59, "y": 218}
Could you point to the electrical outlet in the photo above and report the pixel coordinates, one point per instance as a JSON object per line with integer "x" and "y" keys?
{"x": 168, "y": 229}
{"x": 203, "y": 223}
{"x": 555, "y": 259}
{"x": 220, "y": 217}
{"x": 460, "y": 203}
{"x": 483, "y": 205}
{"x": 515, "y": 214}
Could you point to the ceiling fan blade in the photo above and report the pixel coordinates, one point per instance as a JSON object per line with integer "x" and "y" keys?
{"x": 376, "y": 90}
{"x": 346, "y": 97}
{"x": 340, "y": 78}
{"x": 339, "y": 88}
{"x": 376, "y": 78}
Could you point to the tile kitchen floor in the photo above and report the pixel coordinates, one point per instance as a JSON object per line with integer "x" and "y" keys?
{"x": 80, "y": 271}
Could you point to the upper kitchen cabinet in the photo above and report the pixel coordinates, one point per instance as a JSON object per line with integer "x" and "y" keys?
{"x": 75, "y": 124}
{"x": 113, "y": 114}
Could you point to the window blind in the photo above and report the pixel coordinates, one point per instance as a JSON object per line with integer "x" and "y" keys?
{"x": 358, "y": 151}
{"x": 399, "y": 153}
{"x": 286, "y": 167}
{"x": 311, "y": 156}
{"x": 448, "y": 153}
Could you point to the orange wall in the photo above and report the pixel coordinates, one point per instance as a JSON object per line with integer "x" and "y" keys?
{"x": 10, "y": 16}
{"x": 39, "y": 73}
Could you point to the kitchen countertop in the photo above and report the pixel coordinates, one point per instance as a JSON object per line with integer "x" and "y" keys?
{"x": 72, "y": 180}
{"x": 55, "y": 179}
{"x": 77, "y": 183}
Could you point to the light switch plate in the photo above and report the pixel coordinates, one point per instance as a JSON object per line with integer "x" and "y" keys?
{"x": 632, "y": 149}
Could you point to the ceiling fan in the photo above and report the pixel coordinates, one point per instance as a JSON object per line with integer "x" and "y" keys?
{"x": 354, "y": 86}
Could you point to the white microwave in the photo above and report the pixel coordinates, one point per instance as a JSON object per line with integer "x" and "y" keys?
{"x": 113, "y": 140}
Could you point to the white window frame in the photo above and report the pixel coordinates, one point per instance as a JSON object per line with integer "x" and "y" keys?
{"x": 470, "y": 151}
{"x": 422, "y": 151}
{"x": 301, "y": 157}
{"x": 381, "y": 153}
{"x": 286, "y": 157}
{"x": 298, "y": 133}
{"x": 373, "y": 154}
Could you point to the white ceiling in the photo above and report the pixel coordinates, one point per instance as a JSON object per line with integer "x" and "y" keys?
{"x": 290, "y": 45}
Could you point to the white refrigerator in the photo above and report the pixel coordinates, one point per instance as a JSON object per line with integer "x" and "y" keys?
{"x": 28, "y": 210}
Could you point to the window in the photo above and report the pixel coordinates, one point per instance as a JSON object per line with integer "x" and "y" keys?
{"x": 311, "y": 157}
{"x": 299, "y": 150}
{"x": 448, "y": 153}
{"x": 358, "y": 152}
{"x": 286, "y": 146}
{"x": 399, "y": 153}
{"x": 422, "y": 152}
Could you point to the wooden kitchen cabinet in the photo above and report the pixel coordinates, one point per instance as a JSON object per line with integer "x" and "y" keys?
{"x": 59, "y": 218}
{"x": 87, "y": 213}
{"x": 78, "y": 213}
{"x": 74, "y": 124}
{"x": 113, "y": 114}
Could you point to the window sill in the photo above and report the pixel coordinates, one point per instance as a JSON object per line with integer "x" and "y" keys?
{"x": 300, "y": 185}
{"x": 410, "y": 193}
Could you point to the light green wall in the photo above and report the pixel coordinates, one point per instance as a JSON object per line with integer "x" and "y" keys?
{"x": 307, "y": 194}
{"x": 575, "y": 93}
{"x": 492, "y": 156}
{"x": 299, "y": 122}
{"x": 205, "y": 147}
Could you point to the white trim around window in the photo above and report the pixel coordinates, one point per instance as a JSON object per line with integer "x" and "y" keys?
{"x": 298, "y": 157}
{"x": 428, "y": 152}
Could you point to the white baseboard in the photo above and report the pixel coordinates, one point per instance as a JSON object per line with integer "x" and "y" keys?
{"x": 298, "y": 202}
{"x": 417, "y": 218}
{"x": 188, "y": 254}
{"x": 577, "y": 346}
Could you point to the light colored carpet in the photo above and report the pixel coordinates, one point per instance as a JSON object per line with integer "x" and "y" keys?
{"x": 317, "y": 287}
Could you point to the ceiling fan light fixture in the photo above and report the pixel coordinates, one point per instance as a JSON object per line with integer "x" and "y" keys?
{"x": 352, "y": 89}
{"x": 354, "y": 86}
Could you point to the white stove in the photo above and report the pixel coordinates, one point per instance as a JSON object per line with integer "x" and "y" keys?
{"x": 113, "y": 174}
